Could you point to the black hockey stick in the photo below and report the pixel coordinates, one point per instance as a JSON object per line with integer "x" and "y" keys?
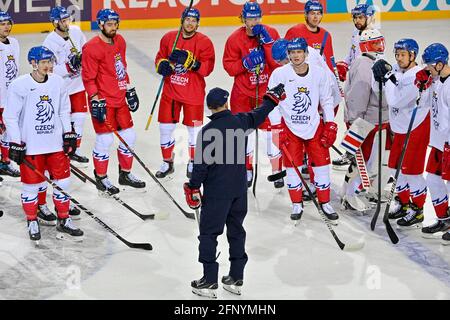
{"x": 188, "y": 215}
{"x": 144, "y": 246}
{"x": 149, "y": 120}
{"x": 78, "y": 172}
{"x": 343, "y": 246}
{"x": 380, "y": 120}
{"x": 257, "y": 71}
{"x": 276, "y": 176}
{"x": 392, "y": 235}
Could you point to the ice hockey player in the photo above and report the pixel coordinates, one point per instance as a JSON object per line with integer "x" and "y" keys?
{"x": 66, "y": 41}
{"x": 248, "y": 58}
{"x": 37, "y": 117}
{"x": 434, "y": 78}
{"x": 9, "y": 70}
{"x": 111, "y": 99}
{"x": 302, "y": 127}
{"x": 362, "y": 102}
{"x": 363, "y": 19}
{"x": 185, "y": 70}
{"x": 224, "y": 179}
{"x": 401, "y": 95}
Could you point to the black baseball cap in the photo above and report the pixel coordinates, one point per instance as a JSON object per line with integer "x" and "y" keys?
{"x": 216, "y": 98}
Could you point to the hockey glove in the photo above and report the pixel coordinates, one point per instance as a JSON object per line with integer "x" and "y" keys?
{"x": 279, "y": 136}
{"x": 193, "y": 196}
{"x": 98, "y": 110}
{"x": 164, "y": 68}
{"x": 185, "y": 58}
{"x": 423, "y": 79}
{"x": 17, "y": 152}
{"x": 342, "y": 69}
{"x": 73, "y": 66}
{"x": 381, "y": 71}
{"x": 254, "y": 58}
{"x": 260, "y": 31}
{"x": 329, "y": 134}
{"x": 2, "y": 124}
{"x": 446, "y": 162}
{"x": 276, "y": 94}
{"x": 70, "y": 143}
{"x": 132, "y": 100}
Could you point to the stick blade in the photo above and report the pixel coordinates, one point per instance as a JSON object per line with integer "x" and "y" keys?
{"x": 143, "y": 246}
{"x": 276, "y": 176}
{"x": 354, "y": 246}
{"x": 391, "y": 233}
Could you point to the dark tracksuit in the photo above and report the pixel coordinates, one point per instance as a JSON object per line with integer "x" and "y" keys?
{"x": 224, "y": 179}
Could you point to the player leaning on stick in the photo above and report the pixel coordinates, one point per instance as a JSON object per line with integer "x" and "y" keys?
{"x": 111, "y": 99}
{"x": 401, "y": 95}
{"x": 185, "y": 70}
{"x": 37, "y": 117}
{"x": 435, "y": 79}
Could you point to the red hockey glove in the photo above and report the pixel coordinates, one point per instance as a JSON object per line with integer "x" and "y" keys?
{"x": 2, "y": 124}
{"x": 276, "y": 94}
{"x": 342, "y": 68}
{"x": 70, "y": 143}
{"x": 279, "y": 136}
{"x": 423, "y": 79}
{"x": 446, "y": 162}
{"x": 193, "y": 196}
{"x": 329, "y": 134}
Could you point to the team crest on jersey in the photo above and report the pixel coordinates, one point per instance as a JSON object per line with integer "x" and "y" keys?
{"x": 434, "y": 110}
{"x": 395, "y": 111}
{"x": 120, "y": 68}
{"x": 317, "y": 46}
{"x": 11, "y": 70}
{"x": 45, "y": 110}
{"x": 302, "y": 100}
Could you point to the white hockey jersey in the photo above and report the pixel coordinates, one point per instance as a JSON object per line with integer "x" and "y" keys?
{"x": 37, "y": 113}
{"x": 300, "y": 109}
{"x": 401, "y": 99}
{"x": 439, "y": 99}
{"x": 63, "y": 50}
{"x": 9, "y": 66}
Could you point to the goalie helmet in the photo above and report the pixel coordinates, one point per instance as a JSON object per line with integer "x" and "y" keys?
{"x": 372, "y": 41}
{"x": 364, "y": 9}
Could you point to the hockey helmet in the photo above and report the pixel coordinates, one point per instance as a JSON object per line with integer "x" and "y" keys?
{"x": 435, "y": 53}
{"x": 409, "y": 45}
{"x": 369, "y": 38}
{"x": 297, "y": 44}
{"x": 58, "y": 13}
{"x": 279, "y": 49}
{"x": 313, "y": 5}
{"x": 191, "y": 12}
{"x": 105, "y": 15}
{"x": 251, "y": 10}
{"x": 40, "y": 53}
{"x": 5, "y": 16}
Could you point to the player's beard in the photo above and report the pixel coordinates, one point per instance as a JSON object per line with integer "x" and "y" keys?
{"x": 64, "y": 30}
{"x": 109, "y": 35}
{"x": 361, "y": 27}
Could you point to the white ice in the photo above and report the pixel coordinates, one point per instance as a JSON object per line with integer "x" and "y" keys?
{"x": 285, "y": 262}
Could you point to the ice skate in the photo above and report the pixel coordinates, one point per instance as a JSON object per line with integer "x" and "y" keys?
{"x": 278, "y": 184}
{"x": 329, "y": 212}
{"x": 446, "y": 238}
{"x": 341, "y": 163}
{"x": 165, "y": 169}
{"x": 434, "y": 231}
{"x": 397, "y": 209}
{"x": 74, "y": 212}
{"x": 203, "y": 289}
{"x": 297, "y": 212}
{"x": 66, "y": 230}
{"x": 232, "y": 285}
{"x": 34, "y": 231}
{"x": 78, "y": 160}
{"x": 7, "y": 169}
{"x": 104, "y": 185}
{"x": 45, "y": 216}
{"x": 355, "y": 204}
{"x": 189, "y": 168}
{"x": 129, "y": 180}
{"x": 413, "y": 218}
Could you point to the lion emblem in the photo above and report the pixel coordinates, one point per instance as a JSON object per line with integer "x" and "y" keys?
{"x": 302, "y": 100}
{"x": 45, "y": 110}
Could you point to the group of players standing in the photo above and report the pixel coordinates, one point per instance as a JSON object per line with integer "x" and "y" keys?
{"x": 44, "y": 111}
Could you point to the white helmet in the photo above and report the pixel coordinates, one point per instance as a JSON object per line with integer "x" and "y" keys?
{"x": 372, "y": 41}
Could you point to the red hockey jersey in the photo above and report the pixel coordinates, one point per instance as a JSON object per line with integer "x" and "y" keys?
{"x": 183, "y": 85}
{"x": 104, "y": 70}
{"x": 314, "y": 40}
{"x": 238, "y": 45}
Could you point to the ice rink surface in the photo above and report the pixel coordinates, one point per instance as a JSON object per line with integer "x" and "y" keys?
{"x": 285, "y": 262}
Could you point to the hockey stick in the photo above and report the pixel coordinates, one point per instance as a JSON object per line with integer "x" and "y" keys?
{"x": 380, "y": 115}
{"x": 392, "y": 235}
{"x": 188, "y": 215}
{"x": 76, "y": 171}
{"x": 336, "y": 75}
{"x": 276, "y": 176}
{"x": 161, "y": 83}
{"x": 144, "y": 246}
{"x": 256, "y": 132}
{"x": 343, "y": 246}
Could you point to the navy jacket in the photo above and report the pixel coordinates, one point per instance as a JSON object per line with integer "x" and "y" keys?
{"x": 219, "y": 162}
